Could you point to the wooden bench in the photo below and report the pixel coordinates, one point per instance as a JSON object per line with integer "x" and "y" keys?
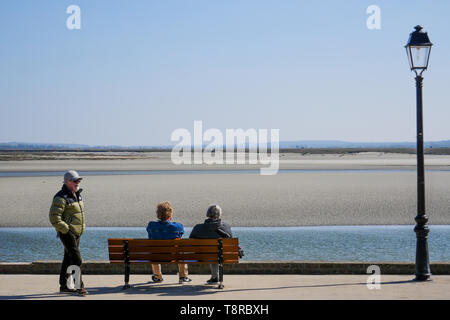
{"x": 190, "y": 251}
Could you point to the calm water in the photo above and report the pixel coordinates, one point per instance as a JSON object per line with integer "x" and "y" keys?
{"x": 324, "y": 243}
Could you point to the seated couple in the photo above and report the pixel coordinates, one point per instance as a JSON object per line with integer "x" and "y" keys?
{"x": 165, "y": 229}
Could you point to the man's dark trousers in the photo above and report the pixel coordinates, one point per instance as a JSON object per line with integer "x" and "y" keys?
{"x": 72, "y": 255}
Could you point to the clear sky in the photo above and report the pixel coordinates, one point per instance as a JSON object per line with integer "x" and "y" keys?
{"x": 138, "y": 70}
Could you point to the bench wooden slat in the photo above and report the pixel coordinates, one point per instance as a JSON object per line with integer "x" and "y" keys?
{"x": 146, "y": 255}
{"x": 175, "y": 256}
{"x": 179, "y": 242}
{"x": 173, "y": 250}
{"x": 165, "y": 262}
{"x": 144, "y": 249}
{"x": 193, "y": 256}
{"x": 199, "y": 249}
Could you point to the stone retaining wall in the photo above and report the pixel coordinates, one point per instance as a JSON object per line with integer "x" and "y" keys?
{"x": 245, "y": 267}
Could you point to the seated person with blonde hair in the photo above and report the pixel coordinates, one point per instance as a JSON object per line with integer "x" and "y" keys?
{"x": 165, "y": 229}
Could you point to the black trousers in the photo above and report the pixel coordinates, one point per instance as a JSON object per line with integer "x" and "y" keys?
{"x": 72, "y": 255}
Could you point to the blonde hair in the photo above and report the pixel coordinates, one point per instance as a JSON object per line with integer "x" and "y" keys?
{"x": 164, "y": 210}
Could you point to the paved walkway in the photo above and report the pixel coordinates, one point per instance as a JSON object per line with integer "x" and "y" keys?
{"x": 237, "y": 287}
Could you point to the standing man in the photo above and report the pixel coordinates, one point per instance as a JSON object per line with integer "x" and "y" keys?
{"x": 67, "y": 217}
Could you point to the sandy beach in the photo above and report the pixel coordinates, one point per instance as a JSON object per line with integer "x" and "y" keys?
{"x": 366, "y": 197}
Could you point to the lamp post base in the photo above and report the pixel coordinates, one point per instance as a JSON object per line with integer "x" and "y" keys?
{"x": 422, "y": 277}
{"x": 423, "y": 270}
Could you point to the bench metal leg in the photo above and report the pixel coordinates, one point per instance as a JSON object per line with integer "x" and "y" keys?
{"x": 220, "y": 258}
{"x": 127, "y": 276}
{"x": 220, "y": 276}
{"x": 127, "y": 264}
{"x": 126, "y": 286}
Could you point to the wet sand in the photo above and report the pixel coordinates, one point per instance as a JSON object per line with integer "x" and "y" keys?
{"x": 95, "y": 161}
{"x": 305, "y": 198}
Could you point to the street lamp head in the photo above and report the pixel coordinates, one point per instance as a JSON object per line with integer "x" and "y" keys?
{"x": 418, "y": 50}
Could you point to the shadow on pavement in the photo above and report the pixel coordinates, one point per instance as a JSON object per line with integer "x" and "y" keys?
{"x": 175, "y": 289}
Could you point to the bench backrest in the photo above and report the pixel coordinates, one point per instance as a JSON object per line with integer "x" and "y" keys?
{"x": 173, "y": 251}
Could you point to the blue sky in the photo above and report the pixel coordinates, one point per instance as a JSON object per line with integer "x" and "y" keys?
{"x": 138, "y": 70}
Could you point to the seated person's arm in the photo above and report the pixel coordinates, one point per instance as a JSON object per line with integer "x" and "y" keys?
{"x": 222, "y": 233}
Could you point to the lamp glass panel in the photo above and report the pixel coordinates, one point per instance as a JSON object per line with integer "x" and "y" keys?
{"x": 419, "y": 56}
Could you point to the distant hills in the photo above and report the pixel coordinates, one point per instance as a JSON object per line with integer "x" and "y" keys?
{"x": 300, "y": 144}
{"x": 318, "y": 144}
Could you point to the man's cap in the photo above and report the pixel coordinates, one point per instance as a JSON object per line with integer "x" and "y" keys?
{"x": 72, "y": 175}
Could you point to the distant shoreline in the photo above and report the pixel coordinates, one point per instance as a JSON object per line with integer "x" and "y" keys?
{"x": 18, "y": 154}
{"x": 162, "y": 161}
{"x": 140, "y": 154}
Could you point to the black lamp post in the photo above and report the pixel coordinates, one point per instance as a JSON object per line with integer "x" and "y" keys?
{"x": 418, "y": 49}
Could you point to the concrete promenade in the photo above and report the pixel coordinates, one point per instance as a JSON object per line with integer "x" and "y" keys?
{"x": 237, "y": 287}
{"x": 249, "y": 280}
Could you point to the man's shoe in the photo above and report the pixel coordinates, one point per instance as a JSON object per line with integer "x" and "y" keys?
{"x": 156, "y": 279}
{"x": 82, "y": 292}
{"x": 66, "y": 290}
{"x": 184, "y": 280}
{"x": 212, "y": 281}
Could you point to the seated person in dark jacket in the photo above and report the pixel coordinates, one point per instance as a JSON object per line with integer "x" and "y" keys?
{"x": 212, "y": 228}
{"x": 165, "y": 229}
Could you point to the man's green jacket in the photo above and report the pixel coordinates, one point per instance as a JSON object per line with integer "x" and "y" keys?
{"x": 67, "y": 212}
